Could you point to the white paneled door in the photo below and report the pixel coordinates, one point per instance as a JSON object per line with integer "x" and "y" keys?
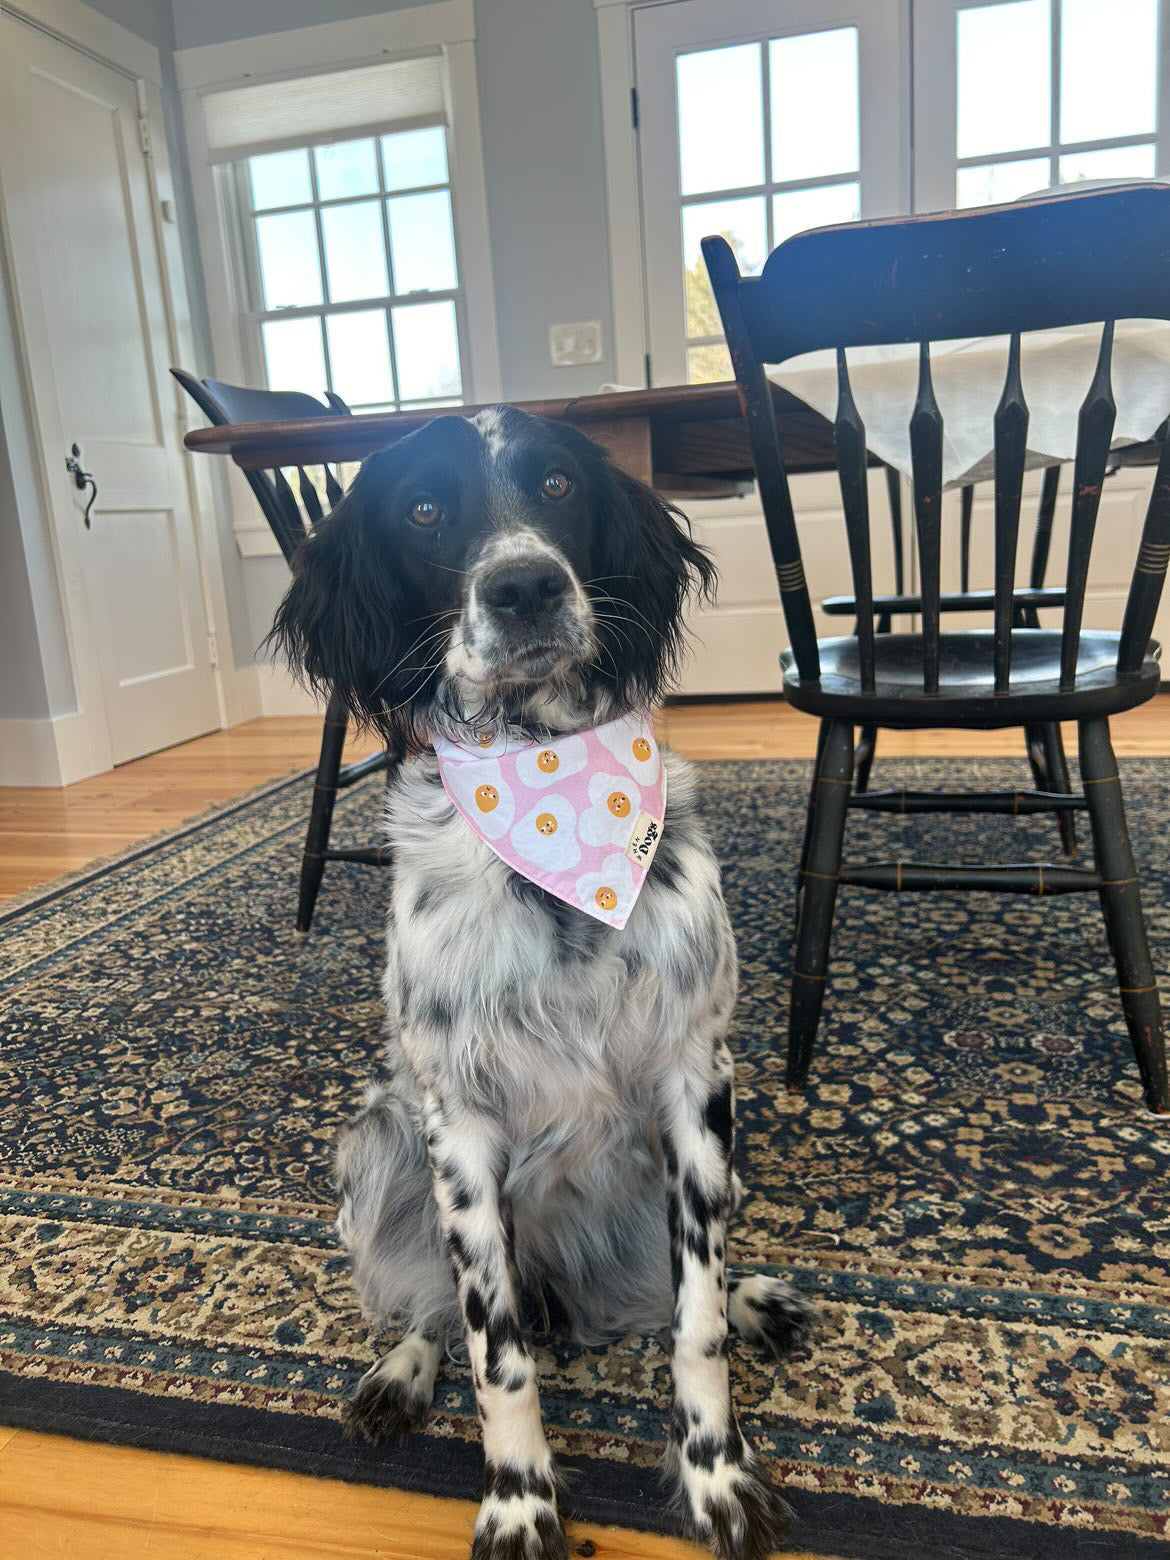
{"x": 91, "y": 308}
{"x": 757, "y": 119}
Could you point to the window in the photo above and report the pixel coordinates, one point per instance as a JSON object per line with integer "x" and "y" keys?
{"x": 351, "y": 267}
{"x": 1017, "y": 96}
{"x": 1052, "y": 92}
{"x": 756, "y": 182}
{"x": 757, "y": 120}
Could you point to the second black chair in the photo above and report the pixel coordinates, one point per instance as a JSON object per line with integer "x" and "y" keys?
{"x": 289, "y": 520}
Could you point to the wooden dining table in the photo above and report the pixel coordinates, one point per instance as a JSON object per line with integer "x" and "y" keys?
{"x": 688, "y": 441}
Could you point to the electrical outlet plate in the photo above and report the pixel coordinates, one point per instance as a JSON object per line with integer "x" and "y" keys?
{"x": 573, "y": 344}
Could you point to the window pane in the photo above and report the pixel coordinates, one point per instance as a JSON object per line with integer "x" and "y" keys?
{"x": 359, "y": 356}
{"x": 349, "y": 168}
{"x": 989, "y": 184}
{"x": 280, "y": 179}
{"x": 744, "y": 224}
{"x": 293, "y": 356}
{"x": 290, "y": 272}
{"x": 355, "y": 251}
{"x": 1108, "y": 69}
{"x": 720, "y": 119}
{"x": 797, "y": 210}
{"x": 1118, "y": 162}
{"x": 415, "y": 157}
{"x": 815, "y": 104}
{"x": 426, "y": 350}
{"x": 707, "y": 365}
{"x": 422, "y": 242}
{"x": 1005, "y": 77}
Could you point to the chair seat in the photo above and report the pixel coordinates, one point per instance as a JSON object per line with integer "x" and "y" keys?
{"x": 967, "y": 695}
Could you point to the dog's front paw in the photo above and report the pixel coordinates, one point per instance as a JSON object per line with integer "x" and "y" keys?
{"x": 725, "y": 1499}
{"x": 518, "y": 1516}
{"x": 768, "y": 1312}
{"x": 393, "y": 1398}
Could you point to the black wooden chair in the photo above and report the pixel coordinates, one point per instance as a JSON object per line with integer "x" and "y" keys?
{"x": 1082, "y": 259}
{"x": 289, "y": 522}
{"x": 1043, "y": 744}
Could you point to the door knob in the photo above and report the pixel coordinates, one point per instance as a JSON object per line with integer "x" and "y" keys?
{"x": 81, "y": 479}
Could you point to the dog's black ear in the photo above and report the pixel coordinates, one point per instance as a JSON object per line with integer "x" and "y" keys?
{"x": 653, "y": 566}
{"x": 340, "y": 625}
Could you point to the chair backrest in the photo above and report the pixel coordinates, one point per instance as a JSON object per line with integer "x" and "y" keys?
{"x": 222, "y": 403}
{"x": 998, "y": 271}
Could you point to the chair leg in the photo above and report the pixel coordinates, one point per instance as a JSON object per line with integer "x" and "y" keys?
{"x": 833, "y": 785}
{"x": 321, "y": 816}
{"x": 1122, "y": 908}
{"x": 1037, "y": 756}
{"x": 1056, "y": 764}
{"x": 810, "y": 814}
{"x": 864, "y": 756}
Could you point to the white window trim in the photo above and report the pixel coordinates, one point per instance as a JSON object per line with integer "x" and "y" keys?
{"x": 448, "y": 25}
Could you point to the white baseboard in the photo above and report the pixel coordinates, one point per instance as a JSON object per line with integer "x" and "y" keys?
{"x": 54, "y": 751}
{"x": 280, "y": 695}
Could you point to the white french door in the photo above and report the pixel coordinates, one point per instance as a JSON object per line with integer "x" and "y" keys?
{"x": 91, "y": 311}
{"x": 759, "y": 118}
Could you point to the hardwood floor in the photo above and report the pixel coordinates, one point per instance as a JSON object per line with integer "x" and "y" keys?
{"x": 65, "y": 1498}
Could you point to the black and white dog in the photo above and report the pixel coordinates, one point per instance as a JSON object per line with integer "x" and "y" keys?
{"x": 554, "y": 1129}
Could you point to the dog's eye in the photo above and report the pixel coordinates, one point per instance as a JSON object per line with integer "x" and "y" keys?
{"x": 556, "y": 484}
{"x": 426, "y": 510}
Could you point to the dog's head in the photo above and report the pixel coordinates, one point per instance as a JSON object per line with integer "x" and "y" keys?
{"x": 493, "y": 569}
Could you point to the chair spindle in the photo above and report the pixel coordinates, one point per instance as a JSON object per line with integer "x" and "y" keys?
{"x": 309, "y": 497}
{"x": 1011, "y": 447}
{"x": 1145, "y": 591}
{"x": 1042, "y": 536}
{"x": 966, "y": 504}
{"x": 926, "y": 433}
{"x": 849, "y": 443}
{"x": 1094, "y": 431}
{"x": 894, "y": 490}
{"x": 333, "y": 489}
{"x": 292, "y": 527}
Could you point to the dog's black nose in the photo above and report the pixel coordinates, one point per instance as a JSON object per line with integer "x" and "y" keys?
{"x": 525, "y": 589}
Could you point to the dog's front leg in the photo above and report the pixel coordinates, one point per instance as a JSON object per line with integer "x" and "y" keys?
{"x": 518, "y": 1517}
{"x": 726, "y": 1499}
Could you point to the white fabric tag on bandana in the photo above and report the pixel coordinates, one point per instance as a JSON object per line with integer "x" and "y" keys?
{"x": 581, "y": 816}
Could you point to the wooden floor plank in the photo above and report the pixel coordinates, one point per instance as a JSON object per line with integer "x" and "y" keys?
{"x": 75, "y": 1499}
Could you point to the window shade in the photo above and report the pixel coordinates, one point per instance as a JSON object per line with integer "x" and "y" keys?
{"x": 310, "y": 109}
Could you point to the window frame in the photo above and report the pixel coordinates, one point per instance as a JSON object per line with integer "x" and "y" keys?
{"x": 253, "y": 314}
{"x": 936, "y": 162}
{"x": 447, "y": 26}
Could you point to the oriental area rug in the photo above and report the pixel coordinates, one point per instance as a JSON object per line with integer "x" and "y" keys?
{"x": 970, "y": 1188}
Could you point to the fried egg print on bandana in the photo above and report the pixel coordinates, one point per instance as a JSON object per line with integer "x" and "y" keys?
{"x": 483, "y": 796}
{"x": 614, "y": 805}
{"x": 552, "y": 764}
{"x": 609, "y": 892}
{"x": 631, "y": 743}
{"x": 547, "y": 835}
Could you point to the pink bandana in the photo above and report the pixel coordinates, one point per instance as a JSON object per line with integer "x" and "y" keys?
{"x": 581, "y": 816}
